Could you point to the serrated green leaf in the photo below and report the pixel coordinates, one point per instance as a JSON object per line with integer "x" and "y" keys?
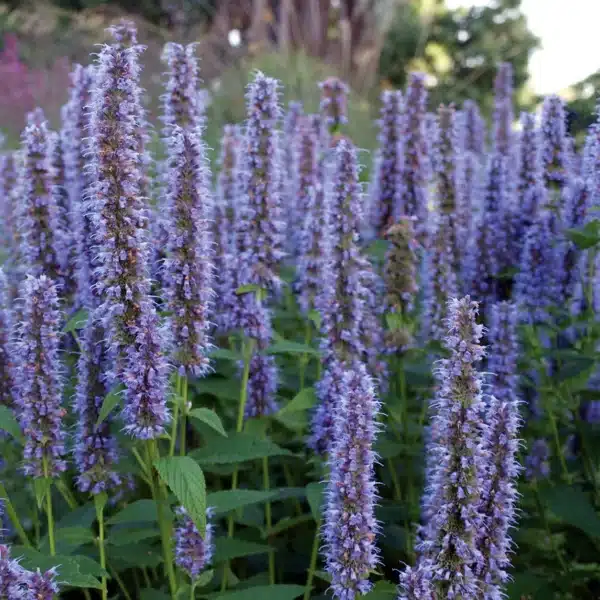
{"x": 288, "y": 347}
{"x": 210, "y": 417}
{"x": 141, "y": 511}
{"x": 122, "y": 536}
{"x": 152, "y": 594}
{"x": 228, "y": 389}
{"x": 584, "y": 237}
{"x": 304, "y": 400}
{"x": 9, "y": 423}
{"x": 140, "y": 554}
{"x": 81, "y": 516}
{"x": 69, "y": 538}
{"x": 287, "y": 523}
{"x": 227, "y": 500}
{"x": 314, "y": 494}
{"x": 573, "y": 506}
{"x": 229, "y": 548}
{"x": 111, "y": 400}
{"x": 266, "y": 592}
{"x": 204, "y": 579}
{"x": 186, "y": 480}
{"x": 77, "y": 321}
{"x": 382, "y": 590}
{"x": 237, "y": 448}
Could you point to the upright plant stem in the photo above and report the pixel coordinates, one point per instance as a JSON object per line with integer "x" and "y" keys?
{"x": 14, "y": 518}
{"x": 100, "y": 501}
{"x": 175, "y": 416}
{"x": 182, "y": 420}
{"x": 313, "y": 562}
{"x": 305, "y": 358}
{"x": 120, "y": 583}
{"x": 268, "y": 518}
{"x": 49, "y": 514}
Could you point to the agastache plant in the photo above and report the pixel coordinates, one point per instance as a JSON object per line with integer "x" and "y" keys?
{"x": 188, "y": 269}
{"x": 350, "y": 526}
{"x": 193, "y": 551}
{"x": 554, "y": 143}
{"x": 503, "y": 110}
{"x": 450, "y": 556}
{"x": 334, "y": 103}
{"x": 38, "y": 213}
{"x": 388, "y": 200}
{"x": 7, "y": 381}
{"x": 40, "y": 380}
{"x": 95, "y": 451}
{"x": 262, "y": 239}
{"x": 474, "y": 124}
{"x": 413, "y": 176}
{"x": 289, "y": 190}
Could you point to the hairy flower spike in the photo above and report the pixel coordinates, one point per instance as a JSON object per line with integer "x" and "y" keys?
{"x": 503, "y": 109}
{"x": 555, "y": 149}
{"x": 474, "y": 125}
{"x": 388, "y": 201}
{"x": 42, "y": 586}
{"x": 530, "y": 186}
{"x": 262, "y": 238}
{"x": 193, "y": 552}
{"x": 454, "y": 490}
{"x": 350, "y": 527}
{"x": 39, "y": 217}
{"x": 14, "y": 580}
{"x": 413, "y": 177}
{"x": 503, "y": 351}
{"x": 39, "y": 379}
{"x": 262, "y": 386}
{"x": 95, "y": 450}
{"x": 290, "y": 191}
{"x": 7, "y": 381}
{"x": 334, "y": 103}
{"x": 188, "y": 267}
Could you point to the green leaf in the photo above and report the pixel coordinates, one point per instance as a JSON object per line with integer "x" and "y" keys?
{"x": 152, "y": 594}
{"x": 287, "y": 523}
{"x": 220, "y": 387}
{"x": 81, "y": 516}
{"x": 141, "y": 511}
{"x": 225, "y": 354}
{"x": 304, "y": 400}
{"x": 74, "y": 571}
{"x": 265, "y": 592}
{"x": 125, "y": 535}
{"x": 41, "y": 487}
{"x": 209, "y": 417}
{"x": 315, "y": 317}
{"x": 204, "y": 579}
{"x": 314, "y": 495}
{"x": 77, "y": 321}
{"x": 186, "y": 480}
{"x": 382, "y": 590}
{"x": 110, "y": 401}
{"x": 230, "y": 548}
{"x": 572, "y": 506}
{"x": 246, "y": 289}
{"x": 140, "y": 554}
{"x": 68, "y": 538}
{"x": 575, "y": 366}
{"x": 585, "y": 237}
{"x": 9, "y": 423}
{"x": 227, "y": 500}
{"x": 237, "y": 448}
{"x": 288, "y": 347}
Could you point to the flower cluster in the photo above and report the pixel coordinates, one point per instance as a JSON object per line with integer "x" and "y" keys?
{"x": 334, "y": 103}
{"x": 554, "y": 144}
{"x": 193, "y": 551}
{"x": 7, "y": 382}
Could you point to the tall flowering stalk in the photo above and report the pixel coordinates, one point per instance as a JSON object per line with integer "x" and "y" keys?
{"x": 413, "y": 176}
{"x": 451, "y": 557}
{"x": 312, "y": 214}
{"x": 350, "y": 526}
{"x": 188, "y": 267}
{"x": 474, "y": 125}
{"x": 8, "y": 229}
{"x": 7, "y": 381}
{"x": 334, "y": 103}
{"x": 262, "y": 239}
{"x": 503, "y": 110}
{"x": 503, "y": 351}
{"x": 77, "y": 175}
{"x": 95, "y": 451}
{"x": 13, "y": 578}
{"x": 39, "y": 379}
{"x": 554, "y": 143}
{"x": 388, "y": 200}
{"x": 39, "y": 217}
{"x": 289, "y": 190}
{"x": 193, "y": 551}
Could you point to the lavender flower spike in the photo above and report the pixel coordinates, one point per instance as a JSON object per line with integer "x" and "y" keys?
{"x": 116, "y": 202}
{"x": 263, "y": 236}
{"x": 530, "y": 186}
{"x": 474, "y": 128}
{"x": 193, "y": 552}
{"x": 262, "y": 386}
{"x": 555, "y": 143}
{"x": 188, "y": 269}
{"x": 503, "y": 351}
{"x": 350, "y": 527}
{"x": 503, "y": 109}
{"x": 7, "y": 381}
{"x": 14, "y": 580}
{"x": 95, "y": 450}
{"x": 450, "y": 549}
{"x": 39, "y": 379}
{"x": 334, "y": 103}
{"x": 499, "y": 495}
{"x": 39, "y": 219}
{"x": 42, "y": 586}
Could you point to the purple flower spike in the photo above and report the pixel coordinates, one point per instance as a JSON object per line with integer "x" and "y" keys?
{"x": 503, "y": 109}
{"x": 42, "y": 586}
{"x": 145, "y": 377}
{"x": 537, "y": 465}
{"x": 499, "y": 495}
{"x": 77, "y": 175}
{"x": 334, "y": 103}
{"x": 413, "y": 177}
{"x": 7, "y": 381}
{"x": 181, "y": 106}
{"x": 193, "y": 553}
{"x": 555, "y": 145}
{"x": 39, "y": 217}
{"x": 39, "y": 379}
{"x": 95, "y": 450}
{"x": 116, "y": 198}
{"x": 188, "y": 269}
{"x": 262, "y": 386}
{"x": 416, "y": 583}
{"x": 224, "y": 228}
{"x": 388, "y": 201}
{"x": 503, "y": 351}
{"x": 9, "y": 236}
{"x": 14, "y": 579}
{"x": 262, "y": 235}
{"x": 530, "y": 185}
{"x": 350, "y": 527}
{"x": 290, "y": 190}
{"x": 311, "y": 240}
{"x": 450, "y": 544}
{"x": 474, "y": 125}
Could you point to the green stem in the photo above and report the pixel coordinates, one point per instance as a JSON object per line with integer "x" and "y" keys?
{"x": 100, "y": 501}
{"x": 49, "y": 513}
{"x": 395, "y": 482}
{"x": 313, "y": 562}
{"x": 192, "y": 591}
{"x": 289, "y": 480}
{"x": 66, "y": 494}
{"x": 182, "y": 422}
{"x": 14, "y": 518}
{"x": 175, "y": 416}
{"x": 542, "y": 512}
{"x": 268, "y": 517}
{"x": 120, "y": 582}
{"x": 146, "y": 578}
